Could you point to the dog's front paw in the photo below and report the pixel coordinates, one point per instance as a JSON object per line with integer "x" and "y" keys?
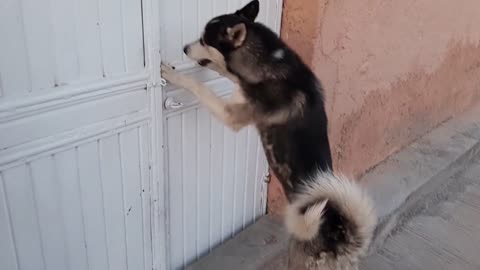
{"x": 170, "y": 74}
{"x": 175, "y": 77}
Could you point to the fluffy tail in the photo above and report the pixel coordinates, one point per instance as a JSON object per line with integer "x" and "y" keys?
{"x": 332, "y": 215}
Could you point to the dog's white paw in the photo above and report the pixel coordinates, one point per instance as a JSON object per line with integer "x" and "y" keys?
{"x": 177, "y": 78}
{"x": 170, "y": 74}
{"x": 167, "y": 68}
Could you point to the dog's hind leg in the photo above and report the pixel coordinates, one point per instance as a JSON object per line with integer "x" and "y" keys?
{"x": 234, "y": 114}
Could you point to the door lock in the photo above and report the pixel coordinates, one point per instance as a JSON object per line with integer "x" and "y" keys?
{"x": 171, "y": 103}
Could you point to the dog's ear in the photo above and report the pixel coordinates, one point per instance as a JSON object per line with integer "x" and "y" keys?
{"x": 237, "y": 34}
{"x": 250, "y": 11}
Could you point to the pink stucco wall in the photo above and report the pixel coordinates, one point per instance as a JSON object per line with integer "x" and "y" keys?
{"x": 392, "y": 70}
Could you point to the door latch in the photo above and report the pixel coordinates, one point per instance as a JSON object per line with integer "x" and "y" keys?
{"x": 171, "y": 103}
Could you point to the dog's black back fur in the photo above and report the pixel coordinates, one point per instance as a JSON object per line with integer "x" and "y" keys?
{"x": 300, "y": 144}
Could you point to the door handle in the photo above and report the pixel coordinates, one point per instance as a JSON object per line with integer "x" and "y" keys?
{"x": 171, "y": 103}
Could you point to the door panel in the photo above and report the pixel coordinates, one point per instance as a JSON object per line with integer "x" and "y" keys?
{"x": 82, "y": 205}
{"x": 215, "y": 177}
{"x": 215, "y": 180}
{"x": 53, "y": 44}
{"x": 76, "y": 145}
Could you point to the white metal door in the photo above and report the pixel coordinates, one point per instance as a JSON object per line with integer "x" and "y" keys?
{"x": 77, "y": 129}
{"x": 214, "y": 177}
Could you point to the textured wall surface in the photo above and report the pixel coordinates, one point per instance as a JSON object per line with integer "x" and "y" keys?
{"x": 392, "y": 70}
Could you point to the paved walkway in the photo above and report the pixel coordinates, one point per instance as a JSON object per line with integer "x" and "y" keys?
{"x": 445, "y": 236}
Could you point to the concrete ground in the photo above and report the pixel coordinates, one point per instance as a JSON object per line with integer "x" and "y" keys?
{"x": 446, "y": 235}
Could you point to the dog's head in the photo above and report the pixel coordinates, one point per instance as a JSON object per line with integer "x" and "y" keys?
{"x": 236, "y": 44}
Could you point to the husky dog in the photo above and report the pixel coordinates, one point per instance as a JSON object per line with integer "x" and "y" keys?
{"x": 330, "y": 218}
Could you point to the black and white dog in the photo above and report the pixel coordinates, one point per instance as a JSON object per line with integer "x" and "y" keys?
{"x": 330, "y": 218}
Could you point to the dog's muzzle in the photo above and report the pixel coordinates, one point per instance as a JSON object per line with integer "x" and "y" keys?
{"x": 201, "y": 62}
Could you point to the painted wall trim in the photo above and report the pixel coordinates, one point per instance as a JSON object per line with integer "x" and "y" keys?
{"x": 24, "y": 107}
{"x": 43, "y": 147}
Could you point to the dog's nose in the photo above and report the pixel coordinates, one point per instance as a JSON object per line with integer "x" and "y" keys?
{"x": 185, "y": 49}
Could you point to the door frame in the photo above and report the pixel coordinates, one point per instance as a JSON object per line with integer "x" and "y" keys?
{"x": 159, "y": 215}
